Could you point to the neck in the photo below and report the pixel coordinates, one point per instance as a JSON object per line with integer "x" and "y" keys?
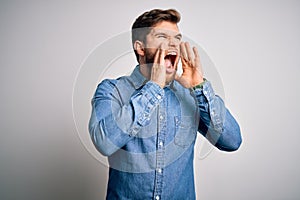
{"x": 145, "y": 71}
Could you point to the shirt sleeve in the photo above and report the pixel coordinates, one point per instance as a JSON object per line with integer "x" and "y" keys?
{"x": 216, "y": 122}
{"x": 113, "y": 123}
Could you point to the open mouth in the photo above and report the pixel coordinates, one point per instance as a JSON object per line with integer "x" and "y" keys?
{"x": 170, "y": 59}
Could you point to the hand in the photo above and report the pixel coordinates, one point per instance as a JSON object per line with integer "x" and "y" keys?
{"x": 158, "y": 71}
{"x": 192, "y": 74}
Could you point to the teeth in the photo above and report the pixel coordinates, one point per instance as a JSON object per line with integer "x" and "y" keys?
{"x": 172, "y": 53}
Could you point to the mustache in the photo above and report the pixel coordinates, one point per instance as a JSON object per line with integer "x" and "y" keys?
{"x": 150, "y": 55}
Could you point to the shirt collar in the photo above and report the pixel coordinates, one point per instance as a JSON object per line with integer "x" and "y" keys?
{"x": 137, "y": 78}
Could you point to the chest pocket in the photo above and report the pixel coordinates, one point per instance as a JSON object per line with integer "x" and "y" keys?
{"x": 185, "y": 131}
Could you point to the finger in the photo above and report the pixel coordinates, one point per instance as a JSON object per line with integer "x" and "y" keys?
{"x": 176, "y": 62}
{"x": 197, "y": 60}
{"x": 183, "y": 52}
{"x": 197, "y": 56}
{"x": 157, "y": 56}
{"x": 184, "y": 64}
{"x": 190, "y": 54}
{"x": 162, "y": 55}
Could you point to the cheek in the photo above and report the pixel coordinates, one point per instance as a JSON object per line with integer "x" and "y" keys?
{"x": 155, "y": 43}
{"x": 149, "y": 54}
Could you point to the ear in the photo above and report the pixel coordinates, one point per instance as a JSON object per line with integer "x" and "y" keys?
{"x": 139, "y": 47}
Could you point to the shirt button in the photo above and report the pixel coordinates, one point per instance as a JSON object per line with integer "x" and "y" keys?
{"x": 161, "y": 117}
{"x": 158, "y": 97}
{"x": 159, "y": 170}
{"x": 157, "y": 197}
{"x": 160, "y": 143}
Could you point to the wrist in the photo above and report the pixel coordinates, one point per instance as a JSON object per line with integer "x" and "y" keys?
{"x": 200, "y": 85}
{"x": 198, "y": 81}
{"x": 161, "y": 85}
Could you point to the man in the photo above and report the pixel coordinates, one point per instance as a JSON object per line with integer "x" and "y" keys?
{"x": 147, "y": 123}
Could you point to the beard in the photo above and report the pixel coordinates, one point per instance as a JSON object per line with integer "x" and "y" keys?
{"x": 149, "y": 58}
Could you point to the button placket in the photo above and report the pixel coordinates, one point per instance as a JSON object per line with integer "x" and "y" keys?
{"x": 161, "y": 117}
{"x": 160, "y": 149}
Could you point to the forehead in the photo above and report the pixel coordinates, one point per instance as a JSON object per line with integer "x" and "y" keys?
{"x": 165, "y": 27}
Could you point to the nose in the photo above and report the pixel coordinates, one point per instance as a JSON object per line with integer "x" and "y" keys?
{"x": 173, "y": 42}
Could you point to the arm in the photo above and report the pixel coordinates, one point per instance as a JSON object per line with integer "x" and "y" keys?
{"x": 216, "y": 122}
{"x": 112, "y": 123}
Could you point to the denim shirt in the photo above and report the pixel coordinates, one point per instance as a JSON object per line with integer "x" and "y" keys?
{"x": 148, "y": 134}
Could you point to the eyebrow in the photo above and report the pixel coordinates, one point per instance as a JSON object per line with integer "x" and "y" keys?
{"x": 163, "y": 33}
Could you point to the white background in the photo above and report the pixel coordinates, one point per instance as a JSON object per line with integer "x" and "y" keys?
{"x": 255, "y": 46}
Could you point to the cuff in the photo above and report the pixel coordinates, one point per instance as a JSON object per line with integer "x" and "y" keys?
{"x": 200, "y": 86}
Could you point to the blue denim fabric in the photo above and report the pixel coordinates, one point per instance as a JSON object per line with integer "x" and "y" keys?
{"x": 148, "y": 134}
